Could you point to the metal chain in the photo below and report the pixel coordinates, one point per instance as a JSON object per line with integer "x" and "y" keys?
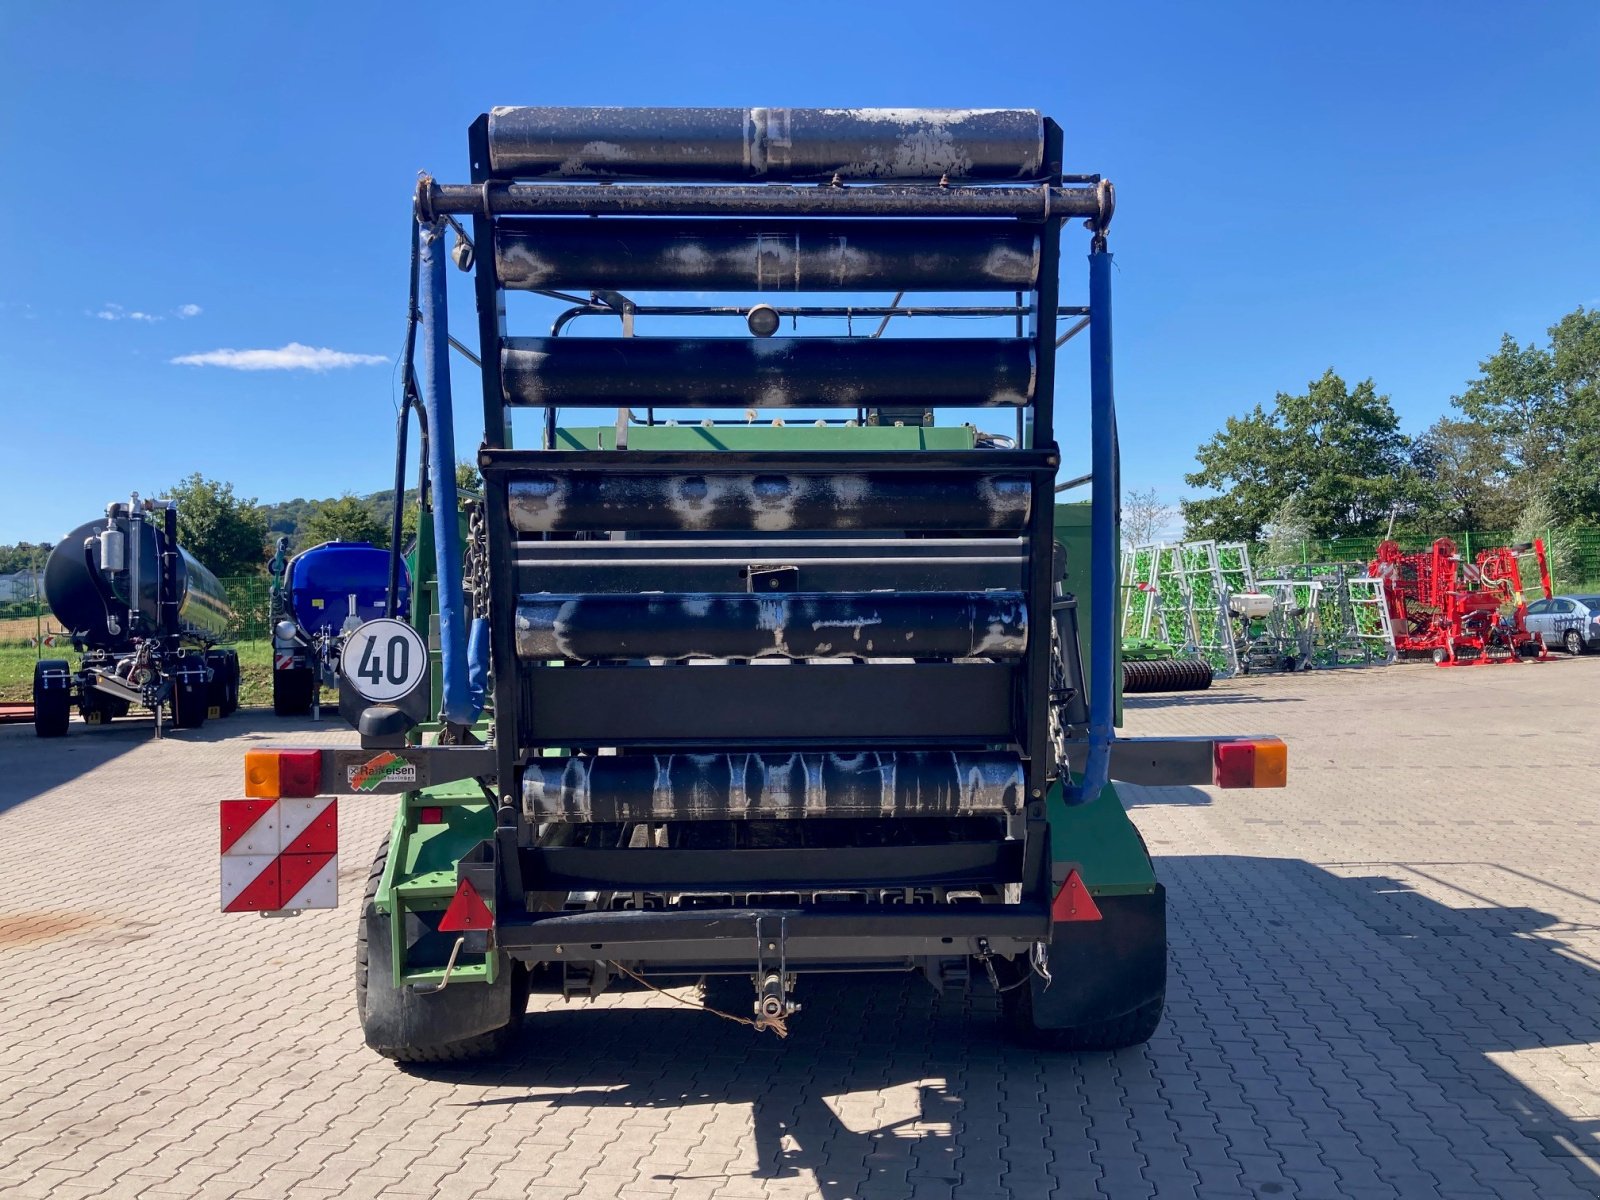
{"x": 475, "y": 560}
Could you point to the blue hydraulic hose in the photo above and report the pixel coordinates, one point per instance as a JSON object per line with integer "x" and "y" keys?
{"x": 1104, "y": 519}
{"x": 457, "y": 707}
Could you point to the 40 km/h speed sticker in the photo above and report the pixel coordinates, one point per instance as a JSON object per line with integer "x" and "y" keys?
{"x": 384, "y": 659}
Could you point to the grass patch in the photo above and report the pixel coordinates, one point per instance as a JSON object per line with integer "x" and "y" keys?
{"x": 16, "y": 671}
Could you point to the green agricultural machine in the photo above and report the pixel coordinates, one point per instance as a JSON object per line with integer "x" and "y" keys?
{"x": 766, "y": 662}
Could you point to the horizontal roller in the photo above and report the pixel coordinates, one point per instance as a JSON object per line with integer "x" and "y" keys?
{"x": 772, "y": 255}
{"x": 766, "y": 143}
{"x": 803, "y": 372}
{"x": 796, "y": 625}
{"x": 688, "y": 786}
{"x": 773, "y": 501}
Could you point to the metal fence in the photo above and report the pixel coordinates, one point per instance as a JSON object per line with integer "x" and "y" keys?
{"x": 27, "y": 619}
{"x": 1575, "y": 566}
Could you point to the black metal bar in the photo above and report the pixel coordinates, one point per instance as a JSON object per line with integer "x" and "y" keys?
{"x": 1077, "y": 328}
{"x": 772, "y": 501}
{"x": 831, "y": 311}
{"x": 765, "y": 143}
{"x": 771, "y": 255}
{"x": 171, "y": 585}
{"x": 807, "y": 372}
{"x": 564, "y": 868}
{"x": 391, "y": 599}
{"x": 724, "y": 565}
{"x": 786, "y": 625}
{"x": 496, "y": 434}
{"x": 735, "y": 928}
{"x": 1041, "y": 535}
{"x": 1036, "y": 203}
{"x": 827, "y": 706}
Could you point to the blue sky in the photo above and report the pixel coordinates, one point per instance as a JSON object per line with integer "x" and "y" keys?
{"x": 1382, "y": 188}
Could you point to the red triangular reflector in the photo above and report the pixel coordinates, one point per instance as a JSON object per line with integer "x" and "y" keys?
{"x": 1072, "y": 902}
{"x": 467, "y": 911}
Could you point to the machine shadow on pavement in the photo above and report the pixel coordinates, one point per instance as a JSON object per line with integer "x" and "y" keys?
{"x": 1208, "y": 699}
{"x": 31, "y": 765}
{"x": 1285, "y": 1054}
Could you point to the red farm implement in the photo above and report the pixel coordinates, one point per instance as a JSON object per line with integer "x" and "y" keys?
{"x": 1461, "y": 612}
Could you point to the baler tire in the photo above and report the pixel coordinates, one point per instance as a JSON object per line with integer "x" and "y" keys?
{"x": 52, "y": 707}
{"x": 1119, "y": 1033}
{"x": 292, "y": 691}
{"x": 1167, "y": 675}
{"x": 484, "y": 1045}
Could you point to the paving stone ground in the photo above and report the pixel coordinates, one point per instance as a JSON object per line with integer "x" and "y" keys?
{"x": 1385, "y": 983}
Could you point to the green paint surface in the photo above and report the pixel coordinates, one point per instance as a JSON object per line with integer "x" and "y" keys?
{"x": 1102, "y": 840}
{"x": 769, "y": 437}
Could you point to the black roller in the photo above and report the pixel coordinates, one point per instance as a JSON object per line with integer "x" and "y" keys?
{"x": 1168, "y": 675}
{"x": 769, "y": 502}
{"x": 794, "y": 625}
{"x": 925, "y": 144}
{"x": 769, "y": 256}
{"x": 748, "y": 372}
{"x": 665, "y": 787}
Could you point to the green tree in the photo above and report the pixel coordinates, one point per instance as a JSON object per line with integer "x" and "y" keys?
{"x": 467, "y": 477}
{"x": 347, "y": 519}
{"x": 1465, "y": 478}
{"x": 225, "y": 532}
{"x": 1338, "y": 451}
{"x": 1541, "y": 404}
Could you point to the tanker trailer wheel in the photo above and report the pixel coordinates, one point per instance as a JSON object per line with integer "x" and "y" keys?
{"x": 223, "y": 693}
{"x": 292, "y": 691}
{"x": 465, "y": 1021}
{"x": 189, "y": 702}
{"x": 1108, "y": 980}
{"x": 52, "y": 706}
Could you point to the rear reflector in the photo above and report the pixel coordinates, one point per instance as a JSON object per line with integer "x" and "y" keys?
{"x": 467, "y": 911}
{"x": 1073, "y": 902}
{"x": 1258, "y": 763}
{"x": 432, "y": 815}
{"x": 273, "y": 774}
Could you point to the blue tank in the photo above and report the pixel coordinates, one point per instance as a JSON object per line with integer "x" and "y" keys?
{"x": 321, "y": 580}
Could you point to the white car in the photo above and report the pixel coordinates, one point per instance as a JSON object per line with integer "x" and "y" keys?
{"x": 1571, "y": 622}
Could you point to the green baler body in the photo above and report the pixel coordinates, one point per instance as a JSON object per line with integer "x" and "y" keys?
{"x": 1096, "y": 837}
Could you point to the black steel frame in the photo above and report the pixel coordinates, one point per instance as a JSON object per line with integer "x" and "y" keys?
{"x": 1044, "y": 203}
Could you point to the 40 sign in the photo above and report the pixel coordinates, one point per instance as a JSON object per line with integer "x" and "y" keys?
{"x": 384, "y": 660}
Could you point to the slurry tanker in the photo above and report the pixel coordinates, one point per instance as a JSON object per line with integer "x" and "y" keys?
{"x": 146, "y": 620}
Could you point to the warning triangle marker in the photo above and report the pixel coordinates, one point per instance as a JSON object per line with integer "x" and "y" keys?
{"x": 1072, "y": 902}
{"x": 468, "y": 911}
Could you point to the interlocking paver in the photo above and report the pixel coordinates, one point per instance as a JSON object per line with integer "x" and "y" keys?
{"x": 1382, "y": 984}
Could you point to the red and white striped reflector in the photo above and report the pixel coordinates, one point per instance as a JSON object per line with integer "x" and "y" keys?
{"x": 280, "y": 854}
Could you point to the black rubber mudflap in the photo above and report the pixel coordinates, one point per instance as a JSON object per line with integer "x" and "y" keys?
{"x": 1168, "y": 675}
{"x": 401, "y": 1020}
{"x": 1106, "y": 969}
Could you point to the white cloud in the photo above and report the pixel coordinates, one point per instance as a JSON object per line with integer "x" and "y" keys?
{"x": 115, "y": 312}
{"x": 186, "y": 311}
{"x": 293, "y": 357}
